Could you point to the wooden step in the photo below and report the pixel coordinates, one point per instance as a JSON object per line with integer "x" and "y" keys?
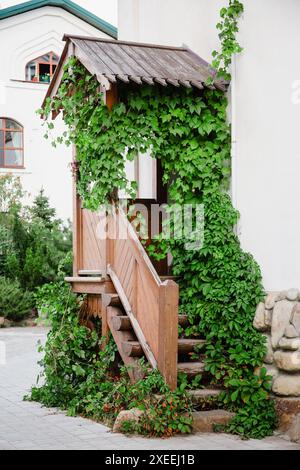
{"x": 134, "y": 370}
{"x": 132, "y": 349}
{"x": 205, "y": 421}
{"x": 191, "y": 368}
{"x": 111, "y": 300}
{"x": 186, "y": 346}
{"x": 202, "y": 395}
{"x": 85, "y": 280}
{"x": 122, "y": 323}
{"x": 90, "y": 284}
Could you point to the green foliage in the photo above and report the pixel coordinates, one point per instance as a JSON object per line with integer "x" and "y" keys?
{"x": 257, "y": 417}
{"x": 100, "y": 145}
{"x": 168, "y": 116}
{"x": 42, "y": 211}
{"x": 15, "y": 304}
{"x": 220, "y": 285}
{"x": 33, "y": 242}
{"x": 83, "y": 377}
{"x": 11, "y": 193}
{"x": 228, "y": 27}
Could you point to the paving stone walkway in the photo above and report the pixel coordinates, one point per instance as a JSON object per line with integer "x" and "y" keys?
{"x": 25, "y": 425}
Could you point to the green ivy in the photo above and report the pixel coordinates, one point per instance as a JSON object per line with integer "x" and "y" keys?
{"x": 84, "y": 377}
{"x": 228, "y": 28}
{"x": 220, "y": 285}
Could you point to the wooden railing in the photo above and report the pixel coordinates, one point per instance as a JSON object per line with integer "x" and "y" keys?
{"x": 151, "y": 304}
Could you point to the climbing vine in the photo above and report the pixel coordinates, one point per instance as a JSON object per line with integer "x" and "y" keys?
{"x": 228, "y": 27}
{"x": 220, "y": 285}
{"x": 82, "y": 375}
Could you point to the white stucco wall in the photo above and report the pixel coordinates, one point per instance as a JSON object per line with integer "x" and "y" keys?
{"x": 266, "y": 167}
{"x": 105, "y": 9}
{"x": 171, "y": 22}
{"x": 268, "y": 153}
{"x": 26, "y": 37}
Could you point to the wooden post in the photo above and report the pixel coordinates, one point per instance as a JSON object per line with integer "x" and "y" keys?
{"x": 105, "y": 329}
{"x": 168, "y": 332}
{"x": 111, "y": 96}
{"x": 110, "y": 239}
{"x": 107, "y": 300}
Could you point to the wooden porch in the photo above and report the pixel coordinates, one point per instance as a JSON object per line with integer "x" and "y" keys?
{"x": 137, "y": 302}
{"x": 125, "y": 282}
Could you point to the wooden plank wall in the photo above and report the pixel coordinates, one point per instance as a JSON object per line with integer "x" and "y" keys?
{"x": 94, "y": 302}
{"x": 93, "y": 248}
{"x": 89, "y": 249}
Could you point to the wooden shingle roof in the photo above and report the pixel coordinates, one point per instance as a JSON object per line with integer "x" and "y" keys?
{"x": 112, "y": 61}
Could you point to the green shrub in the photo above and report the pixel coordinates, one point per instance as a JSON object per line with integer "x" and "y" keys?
{"x": 83, "y": 377}
{"x": 15, "y": 303}
{"x": 33, "y": 241}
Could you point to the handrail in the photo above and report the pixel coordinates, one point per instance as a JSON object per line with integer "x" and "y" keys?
{"x": 152, "y": 305}
{"x": 139, "y": 246}
{"x": 137, "y": 329}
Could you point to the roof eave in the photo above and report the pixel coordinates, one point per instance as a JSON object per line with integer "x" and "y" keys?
{"x": 57, "y": 73}
{"x": 73, "y": 49}
{"x": 66, "y": 5}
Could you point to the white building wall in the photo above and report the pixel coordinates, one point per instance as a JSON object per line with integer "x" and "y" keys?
{"x": 266, "y": 105}
{"x": 171, "y": 22}
{"x": 105, "y": 9}
{"x": 26, "y": 37}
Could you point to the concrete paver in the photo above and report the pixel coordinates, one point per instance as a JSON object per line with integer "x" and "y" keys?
{"x": 27, "y": 425}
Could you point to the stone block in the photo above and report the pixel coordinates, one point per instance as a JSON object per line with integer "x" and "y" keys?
{"x": 287, "y": 385}
{"x": 281, "y": 319}
{"x": 133, "y": 415}
{"x": 294, "y": 431}
{"x": 288, "y": 360}
{"x": 286, "y": 410}
{"x": 259, "y": 319}
{"x": 204, "y": 421}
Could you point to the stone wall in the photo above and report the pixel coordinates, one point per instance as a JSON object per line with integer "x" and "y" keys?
{"x": 278, "y": 318}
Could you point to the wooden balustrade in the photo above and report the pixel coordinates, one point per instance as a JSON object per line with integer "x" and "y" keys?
{"x": 151, "y": 305}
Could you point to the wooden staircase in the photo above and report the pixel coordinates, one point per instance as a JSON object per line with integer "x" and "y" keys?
{"x": 206, "y": 414}
{"x": 139, "y": 308}
{"x": 136, "y": 305}
{"x": 131, "y": 350}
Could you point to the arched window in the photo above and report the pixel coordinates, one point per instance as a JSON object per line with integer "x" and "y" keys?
{"x": 11, "y": 144}
{"x": 42, "y": 68}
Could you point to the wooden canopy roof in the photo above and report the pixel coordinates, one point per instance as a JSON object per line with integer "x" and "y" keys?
{"x": 112, "y": 61}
